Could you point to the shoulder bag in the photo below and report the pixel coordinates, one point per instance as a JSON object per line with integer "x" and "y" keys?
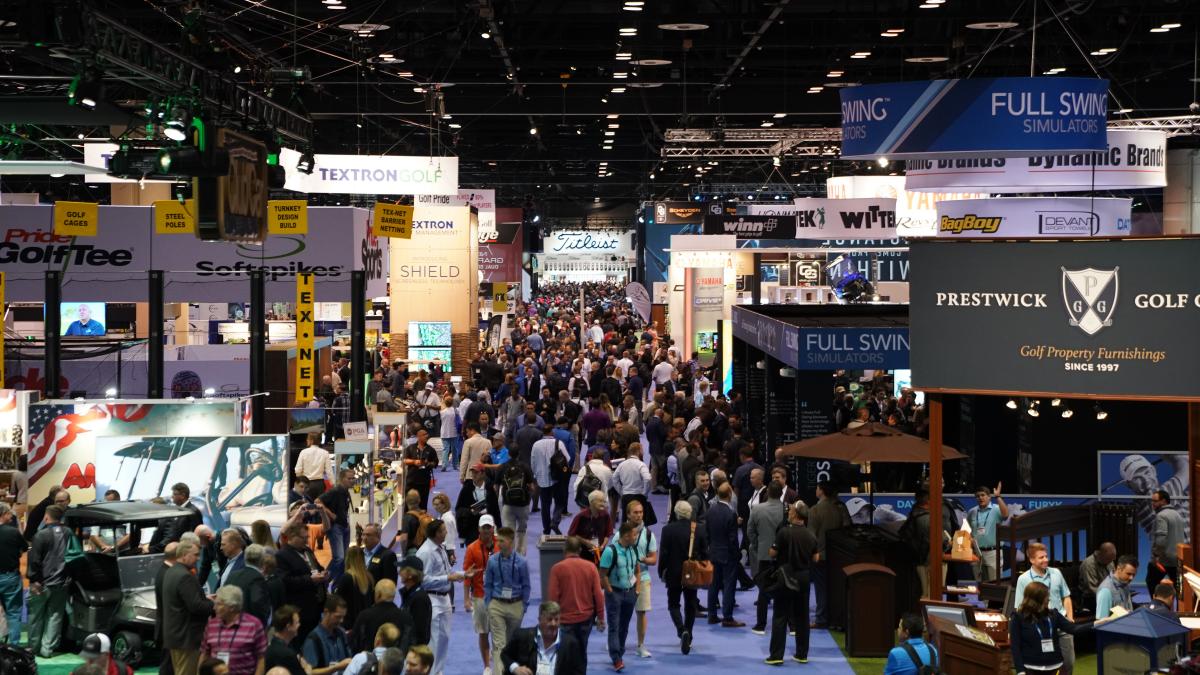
{"x": 696, "y": 573}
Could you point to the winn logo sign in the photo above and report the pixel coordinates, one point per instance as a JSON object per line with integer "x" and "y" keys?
{"x": 752, "y": 227}
{"x": 1091, "y": 297}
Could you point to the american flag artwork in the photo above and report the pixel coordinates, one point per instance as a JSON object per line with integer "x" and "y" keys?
{"x": 55, "y": 427}
{"x": 247, "y": 417}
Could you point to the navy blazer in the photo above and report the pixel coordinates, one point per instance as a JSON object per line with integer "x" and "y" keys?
{"x": 721, "y": 522}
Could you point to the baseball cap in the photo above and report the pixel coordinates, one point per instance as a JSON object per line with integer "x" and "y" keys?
{"x": 414, "y": 562}
{"x": 486, "y": 520}
{"x": 94, "y": 645}
{"x": 429, "y": 385}
{"x": 1131, "y": 464}
{"x": 855, "y": 504}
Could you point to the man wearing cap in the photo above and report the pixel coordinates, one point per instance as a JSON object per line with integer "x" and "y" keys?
{"x": 983, "y": 520}
{"x": 476, "y": 560}
{"x": 860, "y": 511}
{"x": 475, "y": 451}
{"x": 498, "y": 454}
{"x": 96, "y": 650}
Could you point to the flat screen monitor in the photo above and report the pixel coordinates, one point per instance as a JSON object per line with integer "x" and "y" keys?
{"x": 424, "y": 354}
{"x": 82, "y": 319}
{"x": 959, "y": 615}
{"x": 429, "y": 334}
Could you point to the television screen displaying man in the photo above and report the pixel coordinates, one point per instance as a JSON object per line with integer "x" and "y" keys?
{"x": 85, "y": 325}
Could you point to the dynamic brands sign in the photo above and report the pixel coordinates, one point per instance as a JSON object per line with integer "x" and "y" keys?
{"x": 853, "y": 348}
{"x": 1105, "y": 318}
{"x": 1135, "y": 159}
{"x": 588, "y": 243}
{"x": 678, "y": 213}
{"x": 844, "y": 219}
{"x": 752, "y": 227}
{"x": 373, "y": 174}
{"x": 1035, "y": 217}
{"x": 1022, "y": 115}
{"x": 114, "y": 263}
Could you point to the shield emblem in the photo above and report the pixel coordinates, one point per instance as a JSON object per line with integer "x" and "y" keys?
{"x": 1090, "y": 296}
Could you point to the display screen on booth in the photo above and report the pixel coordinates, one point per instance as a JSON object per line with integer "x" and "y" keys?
{"x": 429, "y": 334}
{"x": 82, "y": 319}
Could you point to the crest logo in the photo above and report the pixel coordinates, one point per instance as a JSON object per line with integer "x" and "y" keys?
{"x": 1090, "y": 296}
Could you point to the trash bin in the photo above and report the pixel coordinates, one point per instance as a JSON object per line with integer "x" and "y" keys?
{"x": 870, "y": 608}
{"x": 550, "y": 551}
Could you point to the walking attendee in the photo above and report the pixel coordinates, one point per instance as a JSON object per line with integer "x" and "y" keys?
{"x": 721, "y": 522}
{"x": 285, "y": 624}
{"x": 1060, "y": 596}
{"x": 450, "y": 421}
{"x": 419, "y": 660}
{"x": 1036, "y": 630}
{"x": 551, "y": 465}
{"x": 546, "y": 649}
{"x": 619, "y": 575}
{"x": 646, "y": 547}
{"x": 233, "y": 636}
{"x": 631, "y": 478}
{"x": 475, "y": 561}
{"x": 699, "y": 497}
{"x": 185, "y": 610}
{"x": 326, "y": 648}
{"x": 794, "y": 552}
{"x": 766, "y": 518}
{"x": 414, "y": 599}
{"x": 315, "y": 465}
{"x": 479, "y": 497}
{"x": 517, "y": 487}
{"x": 829, "y": 513}
{"x": 1170, "y": 529}
{"x": 256, "y": 596}
{"x": 439, "y": 579}
{"x": 384, "y": 611}
{"x": 12, "y": 591}
{"x": 96, "y": 651}
{"x": 46, "y": 570}
{"x": 474, "y": 451}
{"x": 420, "y": 459}
{"x": 575, "y": 586}
{"x": 1163, "y": 602}
{"x": 336, "y": 502}
{"x": 506, "y": 591}
{"x": 984, "y": 518}
{"x": 381, "y": 560}
{"x": 1115, "y": 591}
{"x": 914, "y": 653}
{"x": 682, "y": 540}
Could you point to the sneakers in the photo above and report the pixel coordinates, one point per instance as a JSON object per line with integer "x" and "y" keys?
{"x": 619, "y": 666}
{"x": 685, "y": 642}
{"x": 799, "y": 659}
{"x": 487, "y": 670}
{"x": 759, "y": 630}
{"x": 773, "y": 662}
{"x": 643, "y": 652}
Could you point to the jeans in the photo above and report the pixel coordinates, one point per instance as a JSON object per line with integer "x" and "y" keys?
{"x": 725, "y": 579}
{"x": 685, "y": 621}
{"x": 546, "y": 496}
{"x": 47, "y": 612}
{"x": 451, "y": 447}
{"x": 561, "y": 493}
{"x": 618, "y": 610}
{"x": 12, "y": 597}
{"x": 819, "y": 582}
{"x": 581, "y": 632}
{"x": 791, "y": 607}
{"x": 339, "y": 539}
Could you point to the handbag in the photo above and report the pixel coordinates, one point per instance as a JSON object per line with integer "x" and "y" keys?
{"x": 696, "y": 573}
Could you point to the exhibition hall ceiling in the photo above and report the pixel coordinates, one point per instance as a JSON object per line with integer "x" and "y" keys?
{"x": 527, "y": 92}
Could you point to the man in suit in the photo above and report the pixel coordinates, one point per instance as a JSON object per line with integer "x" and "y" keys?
{"x": 303, "y": 577}
{"x": 250, "y": 579}
{"x": 232, "y": 558}
{"x": 721, "y": 523}
{"x": 544, "y": 648}
{"x": 181, "y": 495}
{"x": 383, "y": 611}
{"x": 185, "y": 611}
{"x": 381, "y": 561}
{"x": 167, "y": 561}
{"x": 765, "y": 520}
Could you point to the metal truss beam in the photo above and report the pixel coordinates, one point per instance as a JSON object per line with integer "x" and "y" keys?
{"x": 809, "y": 135}
{"x": 1183, "y": 125}
{"x": 748, "y": 152}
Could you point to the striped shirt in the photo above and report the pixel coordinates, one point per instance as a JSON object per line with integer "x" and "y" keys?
{"x": 240, "y": 644}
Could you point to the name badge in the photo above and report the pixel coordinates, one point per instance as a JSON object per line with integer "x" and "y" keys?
{"x": 1047, "y": 646}
{"x": 980, "y": 531}
{"x": 506, "y": 593}
{"x": 375, "y": 560}
{"x": 544, "y": 668}
{"x": 223, "y": 657}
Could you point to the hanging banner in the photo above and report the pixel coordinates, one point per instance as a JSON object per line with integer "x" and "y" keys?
{"x": 287, "y": 216}
{"x": 500, "y": 252}
{"x": 499, "y": 297}
{"x": 1094, "y": 318}
{"x": 484, "y": 202}
{"x": 372, "y": 174}
{"x": 392, "y": 220}
{"x": 173, "y": 217}
{"x": 640, "y": 299}
{"x": 677, "y": 213}
{"x": 569, "y": 241}
{"x": 752, "y": 227}
{"x": 1035, "y": 217}
{"x": 1022, "y": 116}
{"x": 916, "y": 212}
{"x": 842, "y": 219}
{"x": 1135, "y": 159}
{"x": 853, "y": 348}
{"x": 306, "y": 366}
{"x": 76, "y": 219}
{"x": 775, "y": 337}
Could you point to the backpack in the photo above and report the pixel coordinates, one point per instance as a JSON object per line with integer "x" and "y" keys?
{"x": 922, "y": 669}
{"x": 424, "y": 518}
{"x": 516, "y": 492}
{"x": 16, "y": 661}
{"x": 372, "y": 664}
{"x": 588, "y": 484}
{"x": 559, "y": 465}
{"x": 908, "y": 537}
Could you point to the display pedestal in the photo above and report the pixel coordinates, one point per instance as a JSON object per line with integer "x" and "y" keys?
{"x": 968, "y": 651}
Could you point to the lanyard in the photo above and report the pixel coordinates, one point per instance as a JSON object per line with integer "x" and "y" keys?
{"x": 512, "y": 569}
{"x": 1049, "y": 629}
{"x": 986, "y": 516}
{"x": 232, "y": 639}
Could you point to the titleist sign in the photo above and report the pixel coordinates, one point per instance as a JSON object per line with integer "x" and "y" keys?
{"x": 586, "y": 242}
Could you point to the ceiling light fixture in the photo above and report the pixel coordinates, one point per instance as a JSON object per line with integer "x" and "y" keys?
{"x": 1067, "y": 413}
{"x": 1100, "y": 413}
{"x": 612, "y": 116}
{"x": 860, "y": 55}
{"x": 1012, "y": 404}
{"x": 614, "y": 126}
{"x": 1123, "y": 111}
{"x": 533, "y": 131}
{"x": 610, "y": 133}
{"x": 835, "y": 73}
{"x": 627, "y": 31}
{"x": 620, "y": 75}
{"x": 928, "y": 6}
{"x": 455, "y": 125}
{"x": 632, "y": 8}
{"x": 364, "y": 27}
{"x": 1160, "y": 30}
{"x": 780, "y": 116}
{"x": 767, "y": 124}
{"x": 927, "y": 59}
{"x": 624, "y": 56}
{"x": 1169, "y": 26}
{"x": 683, "y": 26}
{"x": 992, "y": 25}
{"x": 652, "y": 62}
{"x": 485, "y": 35}
{"x": 618, "y": 90}
{"x": 883, "y": 162}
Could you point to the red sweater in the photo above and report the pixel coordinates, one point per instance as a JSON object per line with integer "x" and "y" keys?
{"x": 575, "y": 586}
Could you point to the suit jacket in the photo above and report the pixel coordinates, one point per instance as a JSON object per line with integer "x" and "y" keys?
{"x": 183, "y": 524}
{"x": 362, "y": 636}
{"x": 420, "y": 608}
{"x": 185, "y": 609}
{"x": 158, "y": 601}
{"x": 673, "y": 550}
{"x": 522, "y": 650}
{"x": 299, "y": 589}
{"x": 765, "y": 519}
{"x": 611, "y": 386}
{"x": 256, "y": 598}
{"x": 382, "y": 565}
{"x": 468, "y": 522}
{"x": 721, "y": 522}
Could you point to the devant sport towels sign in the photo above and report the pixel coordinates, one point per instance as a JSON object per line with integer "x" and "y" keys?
{"x": 943, "y": 117}
{"x": 1106, "y": 318}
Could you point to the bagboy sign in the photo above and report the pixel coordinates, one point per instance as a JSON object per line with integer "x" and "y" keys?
{"x": 1108, "y": 318}
{"x": 1035, "y": 217}
{"x": 373, "y": 174}
{"x": 1023, "y": 115}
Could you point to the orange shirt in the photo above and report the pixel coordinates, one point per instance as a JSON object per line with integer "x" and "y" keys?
{"x": 477, "y": 559}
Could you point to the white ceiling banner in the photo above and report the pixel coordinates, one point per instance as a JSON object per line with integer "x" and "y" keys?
{"x": 840, "y": 219}
{"x": 372, "y": 174}
{"x": 483, "y": 200}
{"x": 1035, "y": 218}
{"x": 916, "y": 212}
{"x": 1135, "y": 159}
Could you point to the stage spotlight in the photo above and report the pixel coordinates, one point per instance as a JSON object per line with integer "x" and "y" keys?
{"x": 176, "y": 123}
{"x": 1056, "y": 402}
{"x": 307, "y": 163}
{"x": 1067, "y": 413}
{"x": 1101, "y": 414}
{"x": 1012, "y": 404}
{"x": 85, "y": 90}
{"x": 1033, "y": 410}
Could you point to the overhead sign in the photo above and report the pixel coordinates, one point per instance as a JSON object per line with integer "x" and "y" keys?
{"x": 843, "y": 219}
{"x": 1095, "y": 318}
{"x": 306, "y": 362}
{"x": 393, "y": 220}
{"x": 500, "y": 252}
{"x": 772, "y": 336}
{"x": 587, "y": 243}
{"x": 1035, "y": 217}
{"x": 241, "y": 207}
{"x": 853, "y": 348}
{"x": 287, "y": 216}
{"x": 76, "y": 219}
{"x": 372, "y": 174}
{"x": 639, "y": 297}
{"x": 484, "y": 202}
{"x": 2, "y": 314}
{"x": 1022, "y": 116}
{"x": 751, "y": 227}
{"x": 678, "y": 213}
{"x": 1135, "y": 159}
{"x": 916, "y": 212}
{"x": 499, "y": 297}
{"x": 174, "y": 217}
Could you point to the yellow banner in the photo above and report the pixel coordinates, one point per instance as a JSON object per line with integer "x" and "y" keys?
{"x": 287, "y": 216}
{"x": 306, "y": 362}
{"x": 1, "y": 330}
{"x": 76, "y": 219}
{"x": 499, "y": 297}
{"x": 393, "y": 220}
{"x": 173, "y": 217}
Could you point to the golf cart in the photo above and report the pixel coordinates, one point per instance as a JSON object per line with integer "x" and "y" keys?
{"x": 113, "y": 592}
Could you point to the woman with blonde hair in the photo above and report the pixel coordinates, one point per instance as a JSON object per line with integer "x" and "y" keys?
{"x": 357, "y": 586}
{"x": 260, "y": 533}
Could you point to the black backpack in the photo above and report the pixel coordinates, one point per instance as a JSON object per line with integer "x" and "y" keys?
{"x": 516, "y": 492}
{"x": 588, "y": 484}
{"x": 16, "y": 661}
{"x": 922, "y": 669}
{"x": 559, "y": 464}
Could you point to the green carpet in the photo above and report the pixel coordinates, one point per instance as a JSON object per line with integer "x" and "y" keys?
{"x": 1085, "y": 664}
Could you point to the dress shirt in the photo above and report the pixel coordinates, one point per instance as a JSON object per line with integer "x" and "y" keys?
{"x": 631, "y": 477}
{"x": 547, "y": 656}
{"x": 511, "y": 572}
{"x": 983, "y": 524}
{"x": 313, "y": 463}
{"x": 437, "y": 568}
{"x": 231, "y": 566}
{"x": 543, "y": 450}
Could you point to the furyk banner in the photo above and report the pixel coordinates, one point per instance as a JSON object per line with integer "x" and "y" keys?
{"x": 1135, "y": 159}
{"x": 1104, "y": 318}
{"x": 372, "y": 174}
{"x": 1035, "y": 217}
{"x": 1023, "y": 116}
{"x": 306, "y": 385}
{"x": 842, "y": 219}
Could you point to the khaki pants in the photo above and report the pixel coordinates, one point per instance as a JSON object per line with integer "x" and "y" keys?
{"x": 923, "y": 575}
{"x": 185, "y": 661}
{"x": 503, "y": 619}
{"x": 986, "y": 569}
